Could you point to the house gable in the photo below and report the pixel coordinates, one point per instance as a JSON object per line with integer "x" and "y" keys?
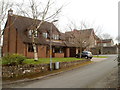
{"x": 11, "y": 40}
{"x": 86, "y": 36}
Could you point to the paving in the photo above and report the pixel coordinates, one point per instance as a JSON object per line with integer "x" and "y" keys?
{"x": 98, "y": 59}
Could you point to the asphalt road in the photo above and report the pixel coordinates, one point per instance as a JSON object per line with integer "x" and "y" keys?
{"x": 84, "y": 77}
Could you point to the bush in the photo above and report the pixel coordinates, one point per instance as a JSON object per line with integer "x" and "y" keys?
{"x": 13, "y": 59}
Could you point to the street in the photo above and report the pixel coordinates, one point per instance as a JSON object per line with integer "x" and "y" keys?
{"x": 89, "y": 76}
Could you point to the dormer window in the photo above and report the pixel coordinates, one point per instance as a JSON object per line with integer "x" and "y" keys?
{"x": 45, "y": 35}
{"x": 56, "y": 37}
{"x": 31, "y": 32}
{"x": 53, "y": 36}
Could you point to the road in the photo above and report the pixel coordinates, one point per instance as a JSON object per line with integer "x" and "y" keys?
{"x": 89, "y": 76}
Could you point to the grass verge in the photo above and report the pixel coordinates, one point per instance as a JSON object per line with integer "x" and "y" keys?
{"x": 47, "y": 60}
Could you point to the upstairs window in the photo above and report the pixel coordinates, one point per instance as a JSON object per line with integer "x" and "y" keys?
{"x": 45, "y": 35}
{"x": 56, "y": 37}
{"x": 30, "y": 33}
{"x": 53, "y": 36}
{"x": 35, "y": 32}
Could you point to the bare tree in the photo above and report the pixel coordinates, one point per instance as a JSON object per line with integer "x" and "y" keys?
{"x": 4, "y": 6}
{"x": 77, "y": 36}
{"x": 106, "y": 36}
{"x": 38, "y": 11}
{"x": 81, "y": 40}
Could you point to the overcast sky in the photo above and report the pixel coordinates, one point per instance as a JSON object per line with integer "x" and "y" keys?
{"x": 102, "y": 13}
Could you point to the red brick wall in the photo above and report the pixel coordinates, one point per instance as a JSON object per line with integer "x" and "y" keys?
{"x": 20, "y": 46}
{"x": 42, "y": 51}
{"x": 67, "y": 52}
{"x": 5, "y": 42}
{"x": 58, "y": 55}
{"x": 11, "y": 40}
{"x": 30, "y": 55}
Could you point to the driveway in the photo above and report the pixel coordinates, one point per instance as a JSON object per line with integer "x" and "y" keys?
{"x": 98, "y": 59}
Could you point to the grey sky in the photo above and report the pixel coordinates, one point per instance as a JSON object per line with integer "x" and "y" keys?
{"x": 102, "y": 13}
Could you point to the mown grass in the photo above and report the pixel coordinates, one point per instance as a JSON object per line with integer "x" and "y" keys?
{"x": 47, "y": 60}
{"x": 100, "y": 56}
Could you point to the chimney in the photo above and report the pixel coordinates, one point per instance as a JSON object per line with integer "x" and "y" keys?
{"x": 10, "y": 12}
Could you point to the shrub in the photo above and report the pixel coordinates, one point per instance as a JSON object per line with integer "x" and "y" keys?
{"x": 13, "y": 59}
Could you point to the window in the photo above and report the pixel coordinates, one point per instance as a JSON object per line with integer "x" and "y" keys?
{"x": 53, "y": 36}
{"x": 58, "y": 50}
{"x": 45, "y": 35}
{"x": 105, "y": 44}
{"x": 30, "y": 33}
{"x": 56, "y": 37}
{"x": 35, "y": 32}
{"x": 30, "y": 48}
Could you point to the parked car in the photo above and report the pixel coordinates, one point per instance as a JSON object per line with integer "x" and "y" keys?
{"x": 84, "y": 54}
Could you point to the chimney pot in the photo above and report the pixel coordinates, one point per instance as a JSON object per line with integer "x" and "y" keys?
{"x": 10, "y": 12}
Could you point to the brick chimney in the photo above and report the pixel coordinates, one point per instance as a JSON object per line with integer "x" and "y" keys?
{"x": 10, "y": 12}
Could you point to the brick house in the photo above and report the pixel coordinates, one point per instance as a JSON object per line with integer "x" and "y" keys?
{"x": 105, "y": 42}
{"x": 105, "y": 46}
{"x": 17, "y": 38}
{"x": 84, "y": 39}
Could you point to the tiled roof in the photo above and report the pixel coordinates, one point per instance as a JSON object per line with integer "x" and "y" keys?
{"x": 23, "y": 24}
{"x": 79, "y": 33}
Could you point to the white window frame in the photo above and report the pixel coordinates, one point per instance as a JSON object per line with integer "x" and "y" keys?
{"x": 55, "y": 37}
{"x": 30, "y": 32}
{"x": 45, "y": 35}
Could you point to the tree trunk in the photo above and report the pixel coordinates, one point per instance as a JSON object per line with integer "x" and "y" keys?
{"x": 80, "y": 48}
{"x": 34, "y": 48}
{"x": 35, "y": 52}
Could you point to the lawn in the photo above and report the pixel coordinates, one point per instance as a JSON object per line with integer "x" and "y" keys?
{"x": 100, "y": 56}
{"x": 47, "y": 60}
